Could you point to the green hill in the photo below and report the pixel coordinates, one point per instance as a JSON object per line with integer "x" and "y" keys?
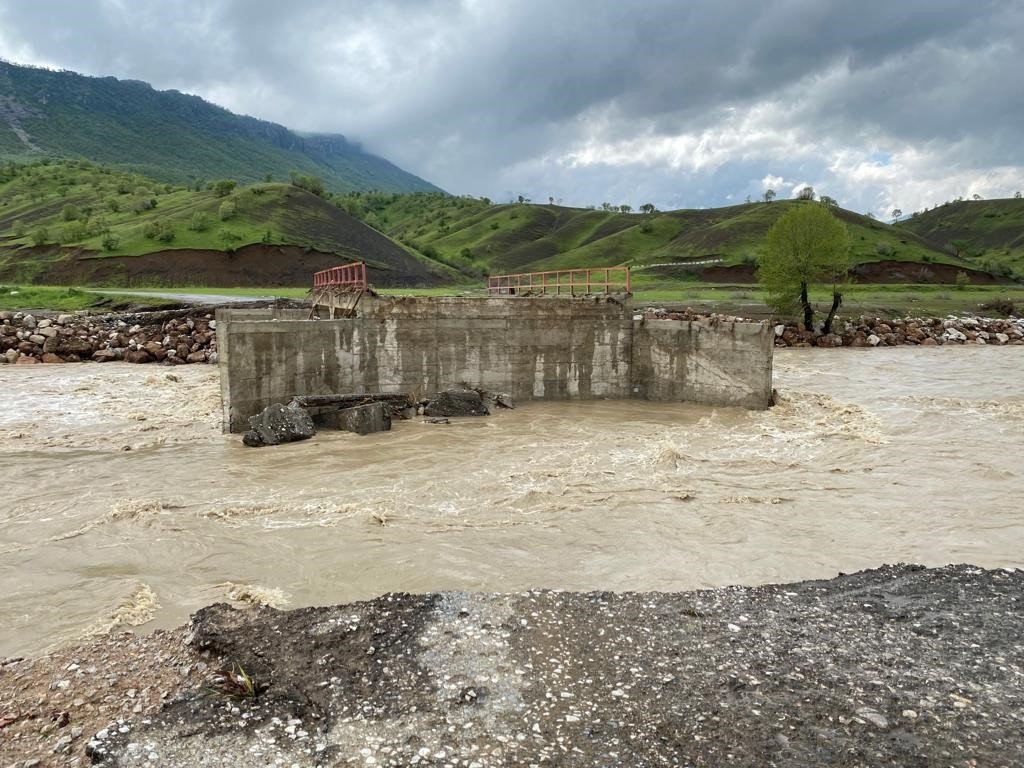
{"x": 69, "y": 222}
{"x": 473, "y": 234}
{"x": 989, "y": 233}
{"x": 171, "y": 136}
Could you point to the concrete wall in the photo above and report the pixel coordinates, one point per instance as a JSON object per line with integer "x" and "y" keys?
{"x": 531, "y": 347}
{"x": 700, "y": 362}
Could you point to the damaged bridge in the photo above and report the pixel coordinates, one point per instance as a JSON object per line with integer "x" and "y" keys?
{"x": 532, "y": 347}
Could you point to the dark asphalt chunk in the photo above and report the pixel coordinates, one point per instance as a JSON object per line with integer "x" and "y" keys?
{"x": 896, "y": 666}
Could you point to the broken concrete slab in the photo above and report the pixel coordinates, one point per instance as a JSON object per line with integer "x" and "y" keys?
{"x": 456, "y": 402}
{"x": 361, "y": 419}
{"x": 278, "y": 424}
{"x": 901, "y": 665}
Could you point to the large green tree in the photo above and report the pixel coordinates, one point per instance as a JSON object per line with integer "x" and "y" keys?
{"x": 807, "y": 245}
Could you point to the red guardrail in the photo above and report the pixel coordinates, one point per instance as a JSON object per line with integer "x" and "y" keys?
{"x": 571, "y": 281}
{"x": 346, "y": 276}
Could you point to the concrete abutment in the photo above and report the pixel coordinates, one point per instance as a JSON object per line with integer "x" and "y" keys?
{"x": 534, "y": 348}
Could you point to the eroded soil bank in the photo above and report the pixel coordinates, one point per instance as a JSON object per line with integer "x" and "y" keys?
{"x": 896, "y": 666}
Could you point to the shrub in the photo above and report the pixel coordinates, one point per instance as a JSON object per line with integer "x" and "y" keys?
{"x": 224, "y": 187}
{"x": 227, "y": 210}
{"x": 962, "y": 280}
{"x": 884, "y": 248}
{"x": 74, "y": 232}
{"x": 200, "y": 222}
{"x": 494, "y": 225}
{"x": 158, "y": 230}
{"x": 18, "y": 228}
{"x": 110, "y": 242}
{"x": 40, "y": 235}
{"x": 70, "y": 212}
{"x": 113, "y": 205}
{"x": 1001, "y": 306}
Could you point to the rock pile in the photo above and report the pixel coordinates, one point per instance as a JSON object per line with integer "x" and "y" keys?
{"x": 689, "y": 315}
{"x": 172, "y": 338}
{"x": 928, "y": 331}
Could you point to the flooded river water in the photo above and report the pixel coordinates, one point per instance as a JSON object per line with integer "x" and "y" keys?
{"x": 123, "y": 505}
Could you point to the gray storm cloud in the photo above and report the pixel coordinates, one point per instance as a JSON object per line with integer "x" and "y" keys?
{"x": 680, "y": 104}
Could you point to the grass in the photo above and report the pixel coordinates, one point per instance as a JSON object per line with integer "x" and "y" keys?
{"x": 66, "y": 299}
{"x": 882, "y": 300}
{"x": 872, "y": 299}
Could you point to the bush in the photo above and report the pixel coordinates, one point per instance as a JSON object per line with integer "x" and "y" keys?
{"x": 74, "y": 232}
{"x": 227, "y": 210}
{"x": 113, "y": 205}
{"x": 18, "y": 228}
{"x": 70, "y": 212}
{"x": 962, "y": 280}
{"x": 40, "y": 235}
{"x": 200, "y": 222}
{"x": 1000, "y": 306}
{"x": 884, "y": 248}
{"x": 224, "y": 187}
{"x": 110, "y": 242}
{"x": 158, "y": 230}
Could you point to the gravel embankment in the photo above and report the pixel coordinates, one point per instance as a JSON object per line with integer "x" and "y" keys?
{"x": 896, "y": 666}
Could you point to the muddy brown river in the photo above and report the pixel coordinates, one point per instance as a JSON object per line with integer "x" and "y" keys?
{"x": 122, "y": 505}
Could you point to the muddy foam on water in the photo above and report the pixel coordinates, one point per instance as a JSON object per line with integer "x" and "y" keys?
{"x": 872, "y": 456}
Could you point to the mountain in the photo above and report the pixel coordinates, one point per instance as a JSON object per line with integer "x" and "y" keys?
{"x": 172, "y": 136}
{"x": 990, "y": 233}
{"x": 713, "y": 243}
{"x": 73, "y": 222}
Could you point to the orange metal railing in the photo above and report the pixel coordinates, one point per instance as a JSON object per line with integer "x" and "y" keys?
{"x": 570, "y": 281}
{"x": 346, "y": 276}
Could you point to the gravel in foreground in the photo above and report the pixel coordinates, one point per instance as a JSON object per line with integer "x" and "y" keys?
{"x": 896, "y": 666}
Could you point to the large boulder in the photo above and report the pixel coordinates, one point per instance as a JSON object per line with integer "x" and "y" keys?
{"x": 278, "y": 424}
{"x": 75, "y": 345}
{"x": 456, "y": 402}
{"x": 362, "y": 419}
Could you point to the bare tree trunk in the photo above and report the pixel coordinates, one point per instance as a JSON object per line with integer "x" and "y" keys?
{"x": 808, "y": 310}
{"x": 837, "y": 302}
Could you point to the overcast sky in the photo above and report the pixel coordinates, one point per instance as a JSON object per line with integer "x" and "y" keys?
{"x": 683, "y": 103}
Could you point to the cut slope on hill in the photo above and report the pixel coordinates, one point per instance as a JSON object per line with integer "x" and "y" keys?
{"x": 989, "y": 233}
{"x": 171, "y": 136}
{"x": 54, "y": 216}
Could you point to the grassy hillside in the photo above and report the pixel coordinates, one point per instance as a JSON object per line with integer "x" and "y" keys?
{"x": 989, "y": 233}
{"x": 171, "y": 136}
{"x": 103, "y": 213}
{"x": 500, "y": 238}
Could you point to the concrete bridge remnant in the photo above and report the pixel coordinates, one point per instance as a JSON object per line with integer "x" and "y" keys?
{"x": 534, "y": 348}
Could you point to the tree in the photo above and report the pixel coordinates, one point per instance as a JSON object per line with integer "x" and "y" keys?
{"x": 806, "y": 245}
{"x": 227, "y": 210}
{"x": 647, "y": 208}
{"x": 896, "y": 213}
{"x": 1016, "y": 195}
{"x": 70, "y": 212}
{"x": 625, "y": 209}
{"x": 224, "y": 187}
{"x": 200, "y": 222}
{"x": 976, "y": 196}
{"x": 551, "y": 201}
{"x": 829, "y": 201}
{"x": 769, "y": 195}
{"x": 807, "y": 193}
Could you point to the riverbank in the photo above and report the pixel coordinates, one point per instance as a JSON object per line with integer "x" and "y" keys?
{"x": 188, "y": 335}
{"x": 899, "y": 665}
